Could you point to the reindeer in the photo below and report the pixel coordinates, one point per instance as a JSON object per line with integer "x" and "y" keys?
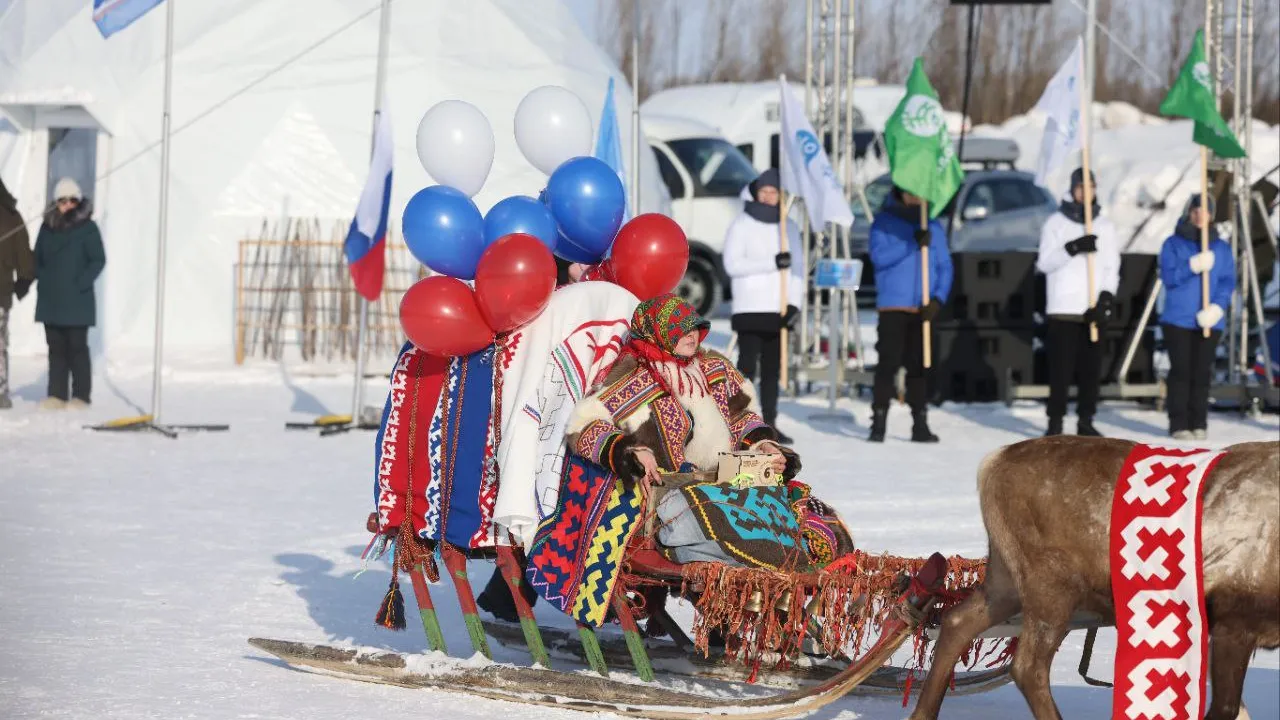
{"x": 1046, "y": 504}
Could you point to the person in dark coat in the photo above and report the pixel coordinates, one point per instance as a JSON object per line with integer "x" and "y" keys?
{"x": 17, "y": 270}
{"x": 69, "y": 257}
{"x": 895, "y": 245}
{"x": 1184, "y": 321}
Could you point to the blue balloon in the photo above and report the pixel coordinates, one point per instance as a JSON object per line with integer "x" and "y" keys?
{"x": 444, "y": 231}
{"x": 566, "y": 250}
{"x": 588, "y": 201}
{"x": 520, "y": 214}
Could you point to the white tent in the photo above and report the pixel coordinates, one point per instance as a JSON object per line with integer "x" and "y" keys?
{"x": 298, "y": 140}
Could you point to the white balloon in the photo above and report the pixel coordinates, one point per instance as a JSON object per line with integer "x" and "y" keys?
{"x": 552, "y": 125}
{"x": 455, "y": 145}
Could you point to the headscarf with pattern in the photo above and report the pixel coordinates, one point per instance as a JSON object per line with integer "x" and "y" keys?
{"x": 656, "y": 327}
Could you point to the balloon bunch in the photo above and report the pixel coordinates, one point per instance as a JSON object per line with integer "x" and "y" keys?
{"x": 508, "y": 253}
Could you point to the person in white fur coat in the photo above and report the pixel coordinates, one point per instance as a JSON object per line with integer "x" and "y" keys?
{"x": 756, "y": 265}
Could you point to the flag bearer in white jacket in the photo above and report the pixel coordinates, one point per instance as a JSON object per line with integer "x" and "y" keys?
{"x": 755, "y": 264}
{"x": 1064, "y": 247}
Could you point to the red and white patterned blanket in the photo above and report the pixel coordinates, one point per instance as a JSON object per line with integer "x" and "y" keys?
{"x": 1157, "y": 583}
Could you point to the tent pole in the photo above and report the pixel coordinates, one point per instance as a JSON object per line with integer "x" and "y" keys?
{"x": 380, "y": 86}
{"x": 635, "y": 108}
{"x": 158, "y": 358}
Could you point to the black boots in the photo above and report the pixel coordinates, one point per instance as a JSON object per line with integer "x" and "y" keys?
{"x": 920, "y": 428}
{"x": 497, "y": 601}
{"x": 1085, "y": 427}
{"x": 878, "y": 420}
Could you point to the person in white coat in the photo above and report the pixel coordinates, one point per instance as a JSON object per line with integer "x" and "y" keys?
{"x": 1063, "y": 258}
{"x": 756, "y": 264}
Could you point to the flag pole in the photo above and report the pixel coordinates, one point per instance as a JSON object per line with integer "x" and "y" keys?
{"x": 1086, "y": 107}
{"x": 1204, "y": 229}
{"x": 925, "y": 325}
{"x": 635, "y": 108}
{"x": 158, "y": 358}
{"x": 784, "y": 373}
{"x": 380, "y": 83}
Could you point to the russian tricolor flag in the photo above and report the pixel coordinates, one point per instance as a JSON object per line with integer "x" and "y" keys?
{"x": 367, "y": 239}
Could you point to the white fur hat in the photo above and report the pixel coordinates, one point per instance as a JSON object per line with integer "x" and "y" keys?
{"x": 67, "y": 188}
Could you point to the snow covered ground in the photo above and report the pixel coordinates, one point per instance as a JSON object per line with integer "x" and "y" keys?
{"x": 133, "y": 567}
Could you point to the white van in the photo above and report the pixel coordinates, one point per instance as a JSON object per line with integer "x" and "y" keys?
{"x": 704, "y": 173}
{"x": 748, "y": 114}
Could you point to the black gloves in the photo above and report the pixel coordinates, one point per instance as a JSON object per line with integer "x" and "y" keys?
{"x": 1084, "y": 243}
{"x": 782, "y": 260}
{"x": 623, "y": 461}
{"x": 930, "y": 310}
{"x": 922, "y": 237}
{"x": 21, "y": 287}
{"x": 791, "y": 317}
{"x": 1100, "y": 314}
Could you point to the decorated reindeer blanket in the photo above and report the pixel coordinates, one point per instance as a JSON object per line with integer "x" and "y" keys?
{"x": 1157, "y": 583}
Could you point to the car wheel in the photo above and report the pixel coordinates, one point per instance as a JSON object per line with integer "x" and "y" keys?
{"x": 700, "y": 287}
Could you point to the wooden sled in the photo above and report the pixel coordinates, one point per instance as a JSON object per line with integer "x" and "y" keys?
{"x": 549, "y": 688}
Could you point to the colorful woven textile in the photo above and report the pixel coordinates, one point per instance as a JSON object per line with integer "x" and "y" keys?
{"x": 1157, "y": 583}
{"x": 574, "y": 560}
{"x": 400, "y": 455}
{"x": 468, "y": 415}
{"x": 756, "y": 526}
{"x": 825, "y": 536}
{"x": 436, "y": 436}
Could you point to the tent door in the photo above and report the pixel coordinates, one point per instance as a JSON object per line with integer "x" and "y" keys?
{"x": 73, "y": 153}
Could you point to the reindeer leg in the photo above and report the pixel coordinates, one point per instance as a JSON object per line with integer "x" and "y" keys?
{"x": 960, "y": 626}
{"x": 1044, "y": 625}
{"x": 991, "y": 604}
{"x": 1229, "y": 651}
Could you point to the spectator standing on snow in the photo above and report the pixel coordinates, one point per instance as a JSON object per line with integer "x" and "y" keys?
{"x": 895, "y": 245}
{"x": 69, "y": 257}
{"x": 1063, "y": 259}
{"x": 755, "y": 263}
{"x": 17, "y": 270}
{"x": 1183, "y": 320}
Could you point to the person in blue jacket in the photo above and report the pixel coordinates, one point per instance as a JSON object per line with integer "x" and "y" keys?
{"x": 896, "y": 241}
{"x": 1184, "y": 320}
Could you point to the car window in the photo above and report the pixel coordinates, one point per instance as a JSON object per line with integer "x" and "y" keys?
{"x": 876, "y": 192}
{"x": 670, "y": 176}
{"x": 718, "y": 169}
{"x": 1004, "y": 195}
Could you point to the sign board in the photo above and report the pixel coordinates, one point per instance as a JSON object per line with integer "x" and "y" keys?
{"x": 838, "y": 274}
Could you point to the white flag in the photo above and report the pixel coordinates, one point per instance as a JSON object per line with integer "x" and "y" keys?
{"x": 806, "y": 170}
{"x": 1061, "y": 102}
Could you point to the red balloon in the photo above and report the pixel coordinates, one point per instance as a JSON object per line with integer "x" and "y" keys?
{"x": 514, "y": 281}
{"x": 439, "y": 314}
{"x": 650, "y": 255}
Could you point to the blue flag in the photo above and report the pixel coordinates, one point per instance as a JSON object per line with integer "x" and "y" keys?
{"x": 112, "y": 16}
{"x": 609, "y": 141}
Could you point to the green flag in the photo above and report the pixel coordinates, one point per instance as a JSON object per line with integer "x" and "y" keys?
{"x": 922, "y": 159}
{"x": 1192, "y": 97}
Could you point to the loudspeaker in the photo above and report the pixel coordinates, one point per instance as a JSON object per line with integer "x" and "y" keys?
{"x": 991, "y": 290}
{"x": 973, "y": 364}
